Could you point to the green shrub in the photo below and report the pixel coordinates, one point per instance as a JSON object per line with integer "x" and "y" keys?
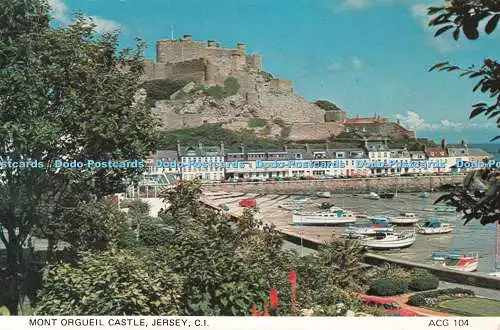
{"x": 256, "y": 122}
{"x": 394, "y": 272}
{"x": 231, "y": 86}
{"x": 152, "y": 233}
{"x": 417, "y": 300}
{"x": 422, "y": 280}
{"x": 266, "y": 75}
{"x": 161, "y": 89}
{"x": 326, "y": 105}
{"x": 388, "y": 287}
{"x": 217, "y": 92}
{"x": 285, "y": 131}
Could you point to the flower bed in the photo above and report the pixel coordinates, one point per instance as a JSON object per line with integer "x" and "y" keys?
{"x": 433, "y": 298}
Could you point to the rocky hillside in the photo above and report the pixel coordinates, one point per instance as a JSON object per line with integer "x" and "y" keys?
{"x": 247, "y": 101}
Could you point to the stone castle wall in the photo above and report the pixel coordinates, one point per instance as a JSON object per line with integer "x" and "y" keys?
{"x": 281, "y": 86}
{"x": 195, "y": 70}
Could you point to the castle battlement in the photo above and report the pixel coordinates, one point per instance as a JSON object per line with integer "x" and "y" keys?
{"x": 200, "y": 61}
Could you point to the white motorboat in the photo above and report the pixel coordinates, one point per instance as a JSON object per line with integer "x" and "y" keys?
{"x": 434, "y": 226}
{"x": 463, "y": 263}
{"x": 324, "y": 194}
{"x": 405, "y": 218}
{"x": 373, "y": 196}
{"x": 379, "y": 219}
{"x": 338, "y": 217}
{"x": 495, "y": 274}
{"x": 368, "y": 229}
{"x": 389, "y": 240}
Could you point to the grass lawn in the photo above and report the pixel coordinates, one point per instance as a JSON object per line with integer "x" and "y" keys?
{"x": 472, "y": 306}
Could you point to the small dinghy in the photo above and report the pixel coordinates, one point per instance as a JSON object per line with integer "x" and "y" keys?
{"x": 464, "y": 264}
{"x": 405, "y": 218}
{"x": 387, "y": 240}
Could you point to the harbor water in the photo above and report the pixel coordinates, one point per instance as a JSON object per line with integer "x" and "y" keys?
{"x": 472, "y": 237}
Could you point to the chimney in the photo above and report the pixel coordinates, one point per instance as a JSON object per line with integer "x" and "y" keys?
{"x": 366, "y": 142}
{"x": 398, "y": 122}
{"x": 222, "y": 147}
{"x": 327, "y": 147}
{"x": 187, "y": 37}
{"x": 307, "y": 147}
{"x": 178, "y": 147}
{"x": 241, "y": 46}
{"x": 385, "y": 142}
{"x": 464, "y": 144}
{"x": 443, "y": 144}
{"x": 242, "y": 148}
{"x": 285, "y": 147}
{"x": 212, "y": 43}
{"x": 200, "y": 146}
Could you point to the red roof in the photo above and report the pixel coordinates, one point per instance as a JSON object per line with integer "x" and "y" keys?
{"x": 435, "y": 152}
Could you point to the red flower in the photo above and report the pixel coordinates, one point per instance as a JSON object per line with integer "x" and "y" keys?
{"x": 292, "y": 277}
{"x": 266, "y": 311}
{"x": 273, "y": 298}
{"x": 255, "y": 311}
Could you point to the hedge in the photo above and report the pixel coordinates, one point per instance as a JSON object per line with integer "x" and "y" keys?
{"x": 388, "y": 287}
{"x": 422, "y": 280}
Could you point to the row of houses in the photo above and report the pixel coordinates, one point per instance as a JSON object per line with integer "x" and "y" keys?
{"x": 374, "y": 158}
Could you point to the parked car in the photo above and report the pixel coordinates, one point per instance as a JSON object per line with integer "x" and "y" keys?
{"x": 248, "y": 203}
{"x": 388, "y": 305}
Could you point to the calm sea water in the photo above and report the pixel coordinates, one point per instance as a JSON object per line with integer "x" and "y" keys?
{"x": 472, "y": 237}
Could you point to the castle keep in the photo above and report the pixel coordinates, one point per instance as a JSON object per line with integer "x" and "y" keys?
{"x": 202, "y": 62}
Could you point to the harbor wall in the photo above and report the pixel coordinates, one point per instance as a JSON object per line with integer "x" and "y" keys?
{"x": 355, "y": 185}
{"x": 447, "y": 275}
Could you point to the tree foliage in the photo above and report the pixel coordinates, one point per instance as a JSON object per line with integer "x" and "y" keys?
{"x": 479, "y": 198}
{"x": 110, "y": 283}
{"x": 65, "y": 93}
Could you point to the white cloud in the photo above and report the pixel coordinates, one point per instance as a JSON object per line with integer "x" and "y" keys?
{"x": 442, "y": 43}
{"x": 104, "y": 25}
{"x": 362, "y": 4}
{"x": 356, "y": 62}
{"x": 335, "y": 66}
{"x": 415, "y": 122}
{"x": 60, "y": 14}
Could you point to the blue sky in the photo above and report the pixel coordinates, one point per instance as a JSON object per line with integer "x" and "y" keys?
{"x": 367, "y": 56}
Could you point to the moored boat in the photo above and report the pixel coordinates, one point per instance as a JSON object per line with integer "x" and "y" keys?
{"x": 446, "y": 255}
{"x": 373, "y": 196}
{"x": 434, "y": 226}
{"x": 388, "y": 240}
{"x": 379, "y": 219}
{"x": 386, "y": 195}
{"x": 300, "y": 199}
{"x": 424, "y": 194}
{"x": 464, "y": 263}
{"x": 368, "y": 229}
{"x": 324, "y": 194}
{"x": 405, "y": 218}
{"x": 338, "y": 217}
{"x": 290, "y": 206}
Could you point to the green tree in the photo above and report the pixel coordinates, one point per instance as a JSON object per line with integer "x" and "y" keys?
{"x": 65, "y": 93}
{"x": 110, "y": 283}
{"x": 479, "y": 198}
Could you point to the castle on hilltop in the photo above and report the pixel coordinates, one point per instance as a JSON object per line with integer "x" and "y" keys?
{"x": 204, "y": 62}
